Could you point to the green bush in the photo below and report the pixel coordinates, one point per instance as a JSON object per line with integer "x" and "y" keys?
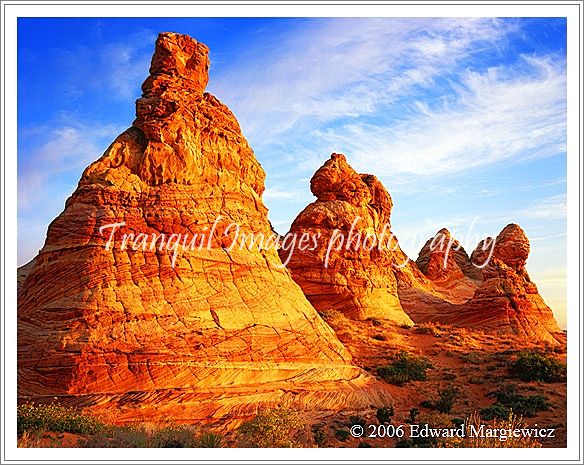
{"x": 405, "y": 368}
{"x": 508, "y": 399}
{"x": 384, "y": 414}
{"x": 173, "y": 437}
{"x": 534, "y": 366}
{"x": 319, "y": 435}
{"x": 357, "y": 420}
{"x": 272, "y": 428}
{"x": 210, "y": 441}
{"x": 414, "y": 412}
{"x": 342, "y": 434}
{"x": 495, "y": 411}
{"x": 526, "y": 406}
{"x": 445, "y": 401}
{"x": 55, "y": 418}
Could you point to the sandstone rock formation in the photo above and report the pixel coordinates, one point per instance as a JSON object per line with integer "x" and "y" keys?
{"x": 507, "y": 301}
{"x": 223, "y": 330}
{"x": 444, "y": 259}
{"x": 495, "y": 291}
{"x": 345, "y": 269}
{"x": 22, "y": 273}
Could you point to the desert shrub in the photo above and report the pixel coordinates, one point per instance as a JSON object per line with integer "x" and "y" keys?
{"x": 457, "y": 421}
{"x": 271, "y": 428}
{"x": 446, "y": 400}
{"x": 379, "y": 337}
{"x": 495, "y": 411}
{"x": 173, "y": 437}
{"x": 427, "y": 328}
{"x": 385, "y": 413}
{"x": 55, "y": 418}
{"x": 342, "y": 434}
{"x": 405, "y": 368}
{"x": 364, "y": 444}
{"x": 414, "y": 412}
{"x": 526, "y": 406}
{"x": 319, "y": 435}
{"x": 406, "y": 326}
{"x": 357, "y": 420}
{"x": 210, "y": 441}
{"x": 534, "y": 366}
{"x": 473, "y": 358}
{"x": 117, "y": 436}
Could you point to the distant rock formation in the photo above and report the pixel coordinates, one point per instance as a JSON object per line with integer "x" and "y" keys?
{"x": 344, "y": 270}
{"x": 444, "y": 259}
{"x": 221, "y": 331}
{"x": 507, "y": 301}
{"x": 499, "y": 295}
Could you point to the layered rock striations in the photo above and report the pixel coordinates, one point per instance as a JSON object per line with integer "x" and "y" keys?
{"x": 496, "y": 293}
{"x": 443, "y": 258}
{"x": 507, "y": 301}
{"x": 148, "y": 332}
{"x": 338, "y": 269}
{"x": 350, "y": 265}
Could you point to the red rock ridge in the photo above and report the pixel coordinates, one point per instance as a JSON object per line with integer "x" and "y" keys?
{"x": 502, "y": 298}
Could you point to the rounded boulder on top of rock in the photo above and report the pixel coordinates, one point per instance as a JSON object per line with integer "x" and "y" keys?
{"x": 507, "y": 301}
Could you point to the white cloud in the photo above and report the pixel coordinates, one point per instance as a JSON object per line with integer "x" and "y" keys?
{"x": 549, "y": 208}
{"x": 61, "y": 149}
{"x": 334, "y": 68}
{"x": 497, "y": 115}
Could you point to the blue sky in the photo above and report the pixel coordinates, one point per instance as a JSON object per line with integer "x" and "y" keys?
{"x": 463, "y": 119}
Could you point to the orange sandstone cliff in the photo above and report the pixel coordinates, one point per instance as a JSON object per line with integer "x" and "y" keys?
{"x": 223, "y": 330}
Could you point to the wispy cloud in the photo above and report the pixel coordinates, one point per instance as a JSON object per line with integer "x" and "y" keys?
{"x": 345, "y": 68}
{"x": 112, "y": 67}
{"x": 549, "y": 208}
{"x": 499, "y": 115}
{"x": 66, "y": 147}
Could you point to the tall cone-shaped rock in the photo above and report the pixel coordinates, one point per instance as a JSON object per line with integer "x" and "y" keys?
{"x": 350, "y": 265}
{"x": 189, "y": 333}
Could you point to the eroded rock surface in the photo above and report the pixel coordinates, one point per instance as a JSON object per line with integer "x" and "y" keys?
{"x": 345, "y": 270}
{"x": 221, "y": 330}
{"x": 493, "y": 287}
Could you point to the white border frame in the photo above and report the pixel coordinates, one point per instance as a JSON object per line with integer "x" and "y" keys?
{"x": 12, "y": 10}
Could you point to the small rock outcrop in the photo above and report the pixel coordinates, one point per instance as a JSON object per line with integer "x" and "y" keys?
{"x": 444, "y": 259}
{"x": 350, "y": 266}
